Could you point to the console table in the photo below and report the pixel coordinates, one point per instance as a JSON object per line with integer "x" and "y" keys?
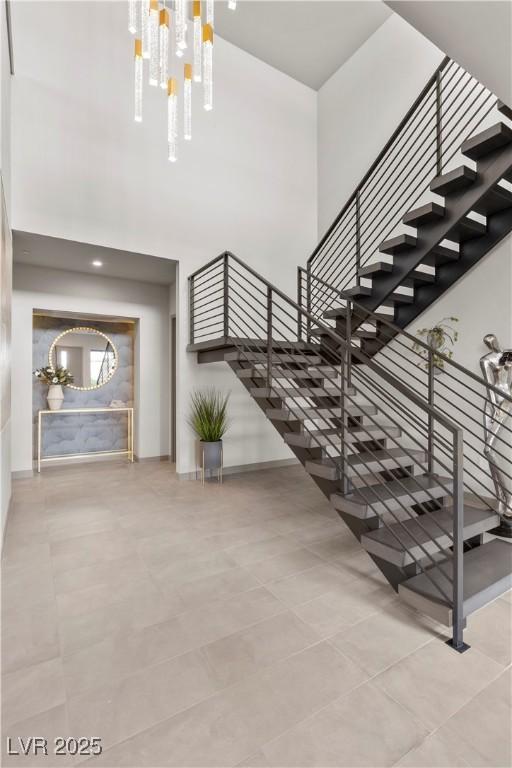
{"x": 64, "y": 412}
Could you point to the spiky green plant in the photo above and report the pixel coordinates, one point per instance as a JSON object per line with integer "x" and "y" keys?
{"x": 208, "y": 416}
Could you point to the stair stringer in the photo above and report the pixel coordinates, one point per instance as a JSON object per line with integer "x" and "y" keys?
{"x": 491, "y": 169}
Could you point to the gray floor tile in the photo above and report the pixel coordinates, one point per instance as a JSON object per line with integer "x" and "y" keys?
{"x": 435, "y": 681}
{"x": 364, "y": 728}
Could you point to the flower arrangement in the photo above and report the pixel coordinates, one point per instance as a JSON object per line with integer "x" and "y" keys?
{"x": 57, "y": 375}
{"x": 208, "y": 417}
{"x": 440, "y": 338}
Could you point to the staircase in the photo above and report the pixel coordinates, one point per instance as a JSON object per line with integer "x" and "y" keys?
{"x": 398, "y": 449}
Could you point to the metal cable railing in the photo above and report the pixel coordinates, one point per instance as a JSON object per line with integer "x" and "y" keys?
{"x": 260, "y": 321}
{"x": 450, "y": 108}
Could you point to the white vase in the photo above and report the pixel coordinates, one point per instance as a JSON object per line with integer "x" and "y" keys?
{"x": 55, "y": 397}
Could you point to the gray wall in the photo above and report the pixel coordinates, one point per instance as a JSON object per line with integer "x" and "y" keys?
{"x": 77, "y": 433}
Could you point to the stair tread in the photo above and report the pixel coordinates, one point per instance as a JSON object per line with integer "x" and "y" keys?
{"x": 440, "y": 255}
{"x": 490, "y": 140}
{"x": 496, "y": 199}
{"x": 284, "y": 392}
{"x": 452, "y": 182}
{"x": 359, "y": 290}
{"x": 418, "y": 276}
{"x": 336, "y": 312}
{"x": 504, "y": 109}
{"x": 424, "y": 214}
{"x": 466, "y": 229}
{"x": 377, "y": 266}
{"x": 398, "y": 244}
{"x": 368, "y": 502}
{"x": 398, "y": 298}
{"x": 487, "y": 575}
{"x": 254, "y": 373}
{"x": 333, "y": 434}
{"x": 425, "y": 530}
{"x": 403, "y": 488}
{"x": 279, "y": 357}
{"x": 322, "y": 413}
{"x": 372, "y": 457}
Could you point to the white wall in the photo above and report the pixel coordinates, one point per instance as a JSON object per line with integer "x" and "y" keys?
{"x": 476, "y": 33}
{"x": 360, "y": 106}
{"x": 5, "y": 271}
{"x": 85, "y": 171}
{"x": 62, "y": 291}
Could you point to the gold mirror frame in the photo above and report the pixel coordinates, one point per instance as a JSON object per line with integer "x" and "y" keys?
{"x": 88, "y": 330}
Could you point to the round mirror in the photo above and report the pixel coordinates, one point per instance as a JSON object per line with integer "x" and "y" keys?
{"x": 89, "y": 355}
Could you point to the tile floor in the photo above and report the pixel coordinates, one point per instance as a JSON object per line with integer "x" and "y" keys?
{"x": 229, "y": 625}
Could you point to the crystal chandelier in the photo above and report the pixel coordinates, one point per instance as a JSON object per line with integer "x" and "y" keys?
{"x": 178, "y": 54}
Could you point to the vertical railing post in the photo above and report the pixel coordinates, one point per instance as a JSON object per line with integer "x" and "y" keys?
{"x": 348, "y": 336}
{"x": 458, "y": 621}
{"x": 439, "y": 124}
{"x": 299, "y": 302}
{"x": 269, "y": 337}
{"x": 358, "y": 237}
{"x": 226, "y": 296}
{"x": 308, "y": 303}
{"x": 191, "y": 308}
{"x": 430, "y": 432}
{"x": 343, "y": 450}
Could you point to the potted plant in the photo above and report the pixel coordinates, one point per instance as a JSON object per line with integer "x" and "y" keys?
{"x": 55, "y": 378}
{"x": 440, "y": 338}
{"x": 209, "y": 421}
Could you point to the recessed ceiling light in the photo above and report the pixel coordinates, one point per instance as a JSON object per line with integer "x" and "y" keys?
{"x": 97, "y": 263}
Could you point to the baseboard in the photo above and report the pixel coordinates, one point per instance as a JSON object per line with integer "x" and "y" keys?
{"x": 22, "y": 474}
{"x": 241, "y": 468}
{"x": 7, "y": 518}
{"x": 146, "y": 459}
{"x": 85, "y": 459}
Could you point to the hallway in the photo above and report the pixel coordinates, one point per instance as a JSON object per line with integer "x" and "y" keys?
{"x": 239, "y": 624}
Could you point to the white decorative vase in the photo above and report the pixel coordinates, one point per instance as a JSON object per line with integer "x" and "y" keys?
{"x": 55, "y": 397}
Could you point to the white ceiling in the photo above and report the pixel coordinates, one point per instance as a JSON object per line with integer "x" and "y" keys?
{"x": 52, "y": 252}
{"x": 307, "y": 39}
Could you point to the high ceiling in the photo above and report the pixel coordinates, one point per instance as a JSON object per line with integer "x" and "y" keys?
{"x": 307, "y": 39}
{"x": 54, "y": 253}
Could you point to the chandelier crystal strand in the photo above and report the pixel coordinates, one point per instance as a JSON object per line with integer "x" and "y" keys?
{"x": 139, "y": 71}
{"x": 207, "y": 67}
{"x": 197, "y": 40}
{"x": 172, "y": 117}
{"x": 181, "y": 26}
{"x": 187, "y": 102}
{"x": 209, "y": 12}
{"x": 144, "y": 26}
{"x": 132, "y": 17}
{"x": 163, "y": 32}
{"x": 154, "y": 61}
